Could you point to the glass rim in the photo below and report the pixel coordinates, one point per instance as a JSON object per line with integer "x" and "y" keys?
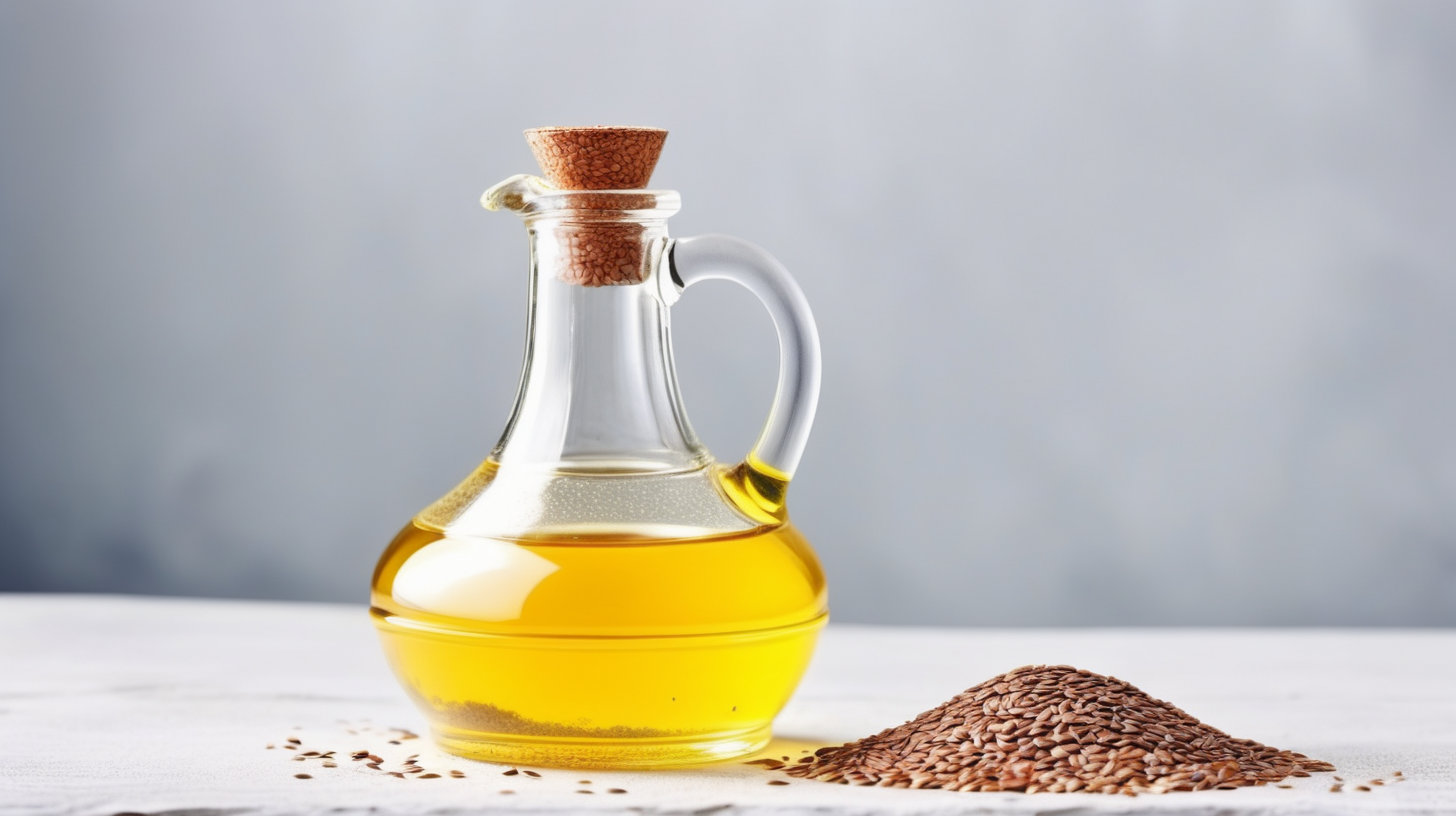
{"x": 604, "y": 204}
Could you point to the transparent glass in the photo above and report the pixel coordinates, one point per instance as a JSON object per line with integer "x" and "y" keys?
{"x": 600, "y": 592}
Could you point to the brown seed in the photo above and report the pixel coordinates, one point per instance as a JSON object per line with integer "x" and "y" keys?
{"x": 270, "y": 746}
{"x": 302, "y": 776}
{"x": 532, "y": 774}
{"x": 506, "y": 792}
{"x": 428, "y": 776}
{"x": 396, "y": 774}
{"x": 584, "y": 791}
{"x": 511, "y": 772}
{"x": 457, "y": 774}
{"x": 310, "y": 753}
{"x": 615, "y": 790}
{"x": 1362, "y": 789}
{"x": 1055, "y": 729}
{"x": 330, "y": 764}
{"x": 777, "y": 782}
{"x": 1336, "y": 788}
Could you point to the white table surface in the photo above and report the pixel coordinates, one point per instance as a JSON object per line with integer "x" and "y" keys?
{"x": 127, "y": 705}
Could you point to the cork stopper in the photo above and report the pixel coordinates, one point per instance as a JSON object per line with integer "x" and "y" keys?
{"x": 597, "y": 158}
{"x": 600, "y": 252}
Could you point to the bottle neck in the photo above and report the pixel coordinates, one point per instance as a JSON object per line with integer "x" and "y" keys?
{"x": 598, "y": 393}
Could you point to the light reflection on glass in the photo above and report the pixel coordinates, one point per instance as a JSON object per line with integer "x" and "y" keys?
{"x": 476, "y": 578}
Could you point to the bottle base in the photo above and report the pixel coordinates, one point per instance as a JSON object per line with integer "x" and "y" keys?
{"x": 699, "y": 749}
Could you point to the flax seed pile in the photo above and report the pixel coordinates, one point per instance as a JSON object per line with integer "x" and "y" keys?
{"x": 1055, "y": 729}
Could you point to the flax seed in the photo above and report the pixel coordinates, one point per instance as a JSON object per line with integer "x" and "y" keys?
{"x": 1054, "y": 729}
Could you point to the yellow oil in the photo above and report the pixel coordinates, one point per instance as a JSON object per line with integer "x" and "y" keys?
{"x": 596, "y": 648}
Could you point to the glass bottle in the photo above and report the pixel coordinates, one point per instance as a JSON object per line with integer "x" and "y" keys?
{"x": 600, "y": 592}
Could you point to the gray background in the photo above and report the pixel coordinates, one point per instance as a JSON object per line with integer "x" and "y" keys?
{"x": 1132, "y": 313}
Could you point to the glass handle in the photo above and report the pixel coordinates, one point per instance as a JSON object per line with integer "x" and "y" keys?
{"x": 707, "y": 257}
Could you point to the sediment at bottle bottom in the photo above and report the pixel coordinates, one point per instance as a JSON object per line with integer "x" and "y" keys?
{"x": 598, "y": 701}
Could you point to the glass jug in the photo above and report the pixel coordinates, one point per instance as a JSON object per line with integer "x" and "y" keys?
{"x": 600, "y": 592}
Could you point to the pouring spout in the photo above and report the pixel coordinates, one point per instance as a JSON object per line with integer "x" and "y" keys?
{"x": 515, "y": 193}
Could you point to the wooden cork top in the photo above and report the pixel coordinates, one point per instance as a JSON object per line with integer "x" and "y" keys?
{"x": 597, "y": 158}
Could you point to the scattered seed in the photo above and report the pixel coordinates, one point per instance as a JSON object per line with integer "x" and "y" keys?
{"x": 616, "y": 790}
{"x": 1337, "y": 779}
{"x": 302, "y": 776}
{"x": 1397, "y": 773}
{"x": 375, "y": 766}
{"x": 1362, "y": 789}
{"x": 584, "y": 782}
{"x": 428, "y": 776}
{"x": 458, "y": 774}
{"x": 506, "y": 792}
{"x": 1377, "y": 782}
{"x": 300, "y": 758}
{"x": 1285, "y": 787}
{"x": 1336, "y": 788}
{"x": 394, "y": 742}
{"x": 532, "y": 774}
{"x": 396, "y": 774}
{"x": 270, "y": 746}
{"x": 777, "y": 782}
{"x": 373, "y": 758}
{"x": 330, "y": 764}
{"x": 310, "y": 753}
{"x": 511, "y": 772}
{"x": 584, "y": 791}
{"x": 1055, "y": 728}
